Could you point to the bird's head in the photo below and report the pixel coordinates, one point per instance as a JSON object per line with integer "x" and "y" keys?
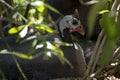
{"x": 72, "y": 23}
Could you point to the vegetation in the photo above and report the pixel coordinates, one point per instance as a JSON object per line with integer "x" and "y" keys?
{"x": 106, "y": 51}
{"x": 23, "y": 17}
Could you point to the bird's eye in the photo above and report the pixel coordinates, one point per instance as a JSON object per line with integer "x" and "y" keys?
{"x": 67, "y": 21}
{"x": 75, "y": 22}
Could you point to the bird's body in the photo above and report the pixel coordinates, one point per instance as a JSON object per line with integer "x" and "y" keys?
{"x": 39, "y": 68}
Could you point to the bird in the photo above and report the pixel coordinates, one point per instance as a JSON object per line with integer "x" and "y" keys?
{"x": 67, "y": 26}
{"x": 39, "y": 68}
{"x": 83, "y": 12}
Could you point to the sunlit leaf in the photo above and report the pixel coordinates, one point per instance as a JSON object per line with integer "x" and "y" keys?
{"x": 30, "y": 23}
{"x": 62, "y": 59}
{"x": 23, "y": 33}
{"x": 41, "y": 8}
{"x": 15, "y": 30}
{"x": 39, "y": 46}
{"x": 44, "y": 28}
{"x": 103, "y": 11}
{"x": 59, "y": 53}
{"x": 39, "y": 5}
{"x": 39, "y": 21}
{"x": 28, "y": 38}
{"x": 21, "y": 55}
{"x": 66, "y": 44}
{"x": 32, "y": 11}
{"x": 52, "y": 47}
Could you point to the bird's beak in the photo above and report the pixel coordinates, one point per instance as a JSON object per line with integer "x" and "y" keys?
{"x": 79, "y": 29}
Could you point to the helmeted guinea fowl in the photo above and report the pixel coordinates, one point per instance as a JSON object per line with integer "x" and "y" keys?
{"x": 68, "y": 7}
{"x": 40, "y": 69}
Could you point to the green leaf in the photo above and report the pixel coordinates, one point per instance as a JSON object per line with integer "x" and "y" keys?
{"x": 52, "y": 9}
{"x": 39, "y": 5}
{"x": 27, "y": 39}
{"x": 32, "y": 46}
{"x": 20, "y": 55}
{"x": 15, "y": 30}
{"x": 58, "y": 53}
{"x": 44, "y": 28}
{"x": 103, "y": 11}
{"x": 20, "y": 69}
{"x": 93, "y": 14}
{"x": 109, "y": 25}
{"x": 107, "y": 52}
{"x": 52, "y": 47}
{"x": 41, "y": 8}
{"x": 111, "y": 31}
{"x": 23, "y": 32}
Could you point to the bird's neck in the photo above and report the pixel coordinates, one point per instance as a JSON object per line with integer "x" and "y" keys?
{"x": 66, "y": 36}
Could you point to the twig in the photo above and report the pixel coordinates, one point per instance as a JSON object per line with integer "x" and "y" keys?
{"x": 12, "y": 8}
{"x": 92, "y": 59}
{"x": 98, "y": 53}
{"x": 13, "y": 21}
{"x": 3, "y": 1}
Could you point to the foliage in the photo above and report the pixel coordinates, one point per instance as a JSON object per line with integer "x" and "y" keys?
{"x": 23, "y": 18}
{"x": 29, "y": 14}
{"x": 107, "y": 39}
